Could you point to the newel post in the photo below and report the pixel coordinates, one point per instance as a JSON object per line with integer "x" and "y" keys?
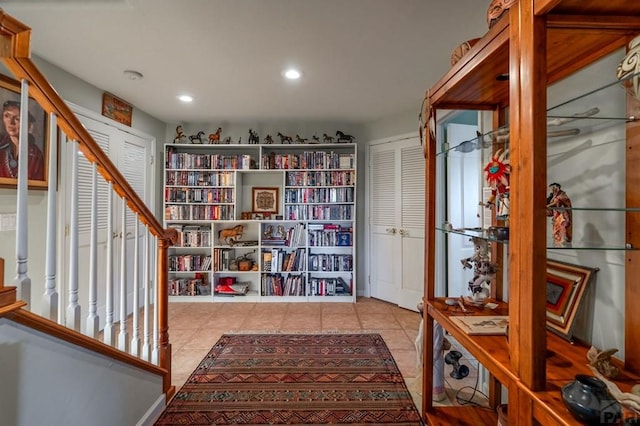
{"x": 162, "y": 301}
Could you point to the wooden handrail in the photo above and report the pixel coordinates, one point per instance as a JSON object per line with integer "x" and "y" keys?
{"x": 15, "y": 53}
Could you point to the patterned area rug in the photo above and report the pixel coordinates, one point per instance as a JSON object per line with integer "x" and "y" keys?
{"x": 255, "y": 379}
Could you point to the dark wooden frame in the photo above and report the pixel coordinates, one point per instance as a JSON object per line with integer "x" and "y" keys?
{"x": 259, "y": 206}
{"x": 566, "y": 287}
{"x": 10, "y": 91}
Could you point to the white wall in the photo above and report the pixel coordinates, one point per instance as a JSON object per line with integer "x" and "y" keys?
{"x": 591, "y": 170}
{"x": 46, "y": 381}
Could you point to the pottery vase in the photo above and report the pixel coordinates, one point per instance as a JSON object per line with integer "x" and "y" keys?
{"x": 628, "y": 71}
{"x": 589, "y": 401}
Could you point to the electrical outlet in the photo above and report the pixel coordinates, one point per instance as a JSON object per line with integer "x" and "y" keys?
{"x": 7, "y": 222}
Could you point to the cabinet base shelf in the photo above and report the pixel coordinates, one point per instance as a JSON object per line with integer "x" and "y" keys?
{"x": 463, "y": 416}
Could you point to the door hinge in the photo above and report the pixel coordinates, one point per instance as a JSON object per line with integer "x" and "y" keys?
{"x": 151, "y": 160}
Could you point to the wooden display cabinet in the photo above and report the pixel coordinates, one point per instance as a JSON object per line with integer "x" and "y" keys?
{"x": 539, "y": 42}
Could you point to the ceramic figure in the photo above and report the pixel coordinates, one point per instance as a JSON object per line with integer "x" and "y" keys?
{"x": 559, "y": 209}
{"x": 629, "y": 69}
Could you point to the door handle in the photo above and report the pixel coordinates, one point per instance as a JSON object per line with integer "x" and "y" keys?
{"x": 404, "y": 233}
{"x": 115, "y": 235}
{"x": 391, "y": 231}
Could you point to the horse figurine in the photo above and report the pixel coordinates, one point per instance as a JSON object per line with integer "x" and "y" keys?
{"x": 284, "y": 138}
{"x": 215, "y": 137}
{"x": 253, "y": 137}
{"x": 300, "y": 139}
{"x": 179, "y": 135}
{"x": 343, "y": 137}
{"x": 315, "y": 139}
{"x": 326, "y": 138}
{"x": 197, "y": 138}
{"x": 268, "y": 140}
{"x": 231, "y": 235}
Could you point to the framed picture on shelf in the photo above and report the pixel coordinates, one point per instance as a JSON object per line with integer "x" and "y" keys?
{"x": 265, "y": 200}
{"x": 38, "y": 134}
{"x": 566, "y": 287}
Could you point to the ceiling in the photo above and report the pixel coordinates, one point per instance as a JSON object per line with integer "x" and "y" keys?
{"x": 362, "y": 60}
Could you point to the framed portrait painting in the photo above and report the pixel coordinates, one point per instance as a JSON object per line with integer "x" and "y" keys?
{"x": 265, "y": 200}
{"x": 38, "y": 133}
{"x": 566, "y": 287}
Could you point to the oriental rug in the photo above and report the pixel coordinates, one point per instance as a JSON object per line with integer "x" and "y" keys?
{"x": 255, "y": 379}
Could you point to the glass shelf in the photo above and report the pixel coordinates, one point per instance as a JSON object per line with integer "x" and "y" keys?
{"x": 592, "y": 111}
{"x": 551, "y": 245}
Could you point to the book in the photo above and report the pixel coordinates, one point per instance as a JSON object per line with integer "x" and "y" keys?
{"x": 482, "y": 324}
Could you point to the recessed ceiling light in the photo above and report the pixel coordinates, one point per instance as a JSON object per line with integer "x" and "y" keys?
{"x": 133, "y": 75}
{"x": 185, "y": 98}
{"x": 292, "y": 74}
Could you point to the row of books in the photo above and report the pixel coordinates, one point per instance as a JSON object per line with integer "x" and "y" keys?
{"x": 199, "y": 178}
{"x": 185, "y": 160}
{"x": 278, "y": 285}
{"x": 308, "y": 160}
{"x": 321, "y": 178}
{"x": 188, "y": 287}
{"x": 198, "y": 195}
{"x": 278, "y": 260}
{"x": 319, "y": 195}
{"x": 222, "y": 258}
{"x": 193, "y": 235}
{"x": 189, "y": 262}
{"x": 276, "y": 235}
{"x": 192, "y": 212}
{"x": 329, "y": 286}
{"x": 319, "y": 212}
{"x": 330, "y": 262}
{"x": 330, "y": 235}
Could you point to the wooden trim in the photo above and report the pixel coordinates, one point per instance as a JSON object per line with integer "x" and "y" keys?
{"x": 6, "y": 309}
{"x": 51, "y": 328}
{"x": 429, "y": 262}
{"x": 632, "y": 235}
{"x": 527, "y": 325}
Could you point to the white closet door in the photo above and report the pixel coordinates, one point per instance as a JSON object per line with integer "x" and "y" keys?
{"x": 412, "y": 179}
{"x": 396, "y": 203}
{"x": 384, "y": 209}
{"x": 132, "y": 155}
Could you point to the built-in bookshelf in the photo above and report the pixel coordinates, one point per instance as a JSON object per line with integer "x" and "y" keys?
{"x": 300, "y": 248}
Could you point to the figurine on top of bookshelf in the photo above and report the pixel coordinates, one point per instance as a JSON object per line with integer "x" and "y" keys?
{"x": 497, "y": 173}
{"x": 315, "y": 139}
{"x": 179, "y": 135}
{"x": 268, "y": 140}
{"x": 484, "y": 270}
{"x": 197, "y": 138}
{"x": 326, "y": 138}
{"x": 231, "y": 235}
{"x": 214, "y": 138}
{"x": 227, "y": 140}
{"x": 285, "y": 138}
{"x": 559, "y": 209}
{"x": 253, "y": 137}
{"x": 300, "y": 139}
{"x": 343, "y": 137}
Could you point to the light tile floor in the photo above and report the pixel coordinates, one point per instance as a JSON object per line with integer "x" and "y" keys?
{"x": 195, "y": 327}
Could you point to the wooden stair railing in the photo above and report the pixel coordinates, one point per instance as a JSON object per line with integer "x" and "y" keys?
{"x": 15, "y": 54}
